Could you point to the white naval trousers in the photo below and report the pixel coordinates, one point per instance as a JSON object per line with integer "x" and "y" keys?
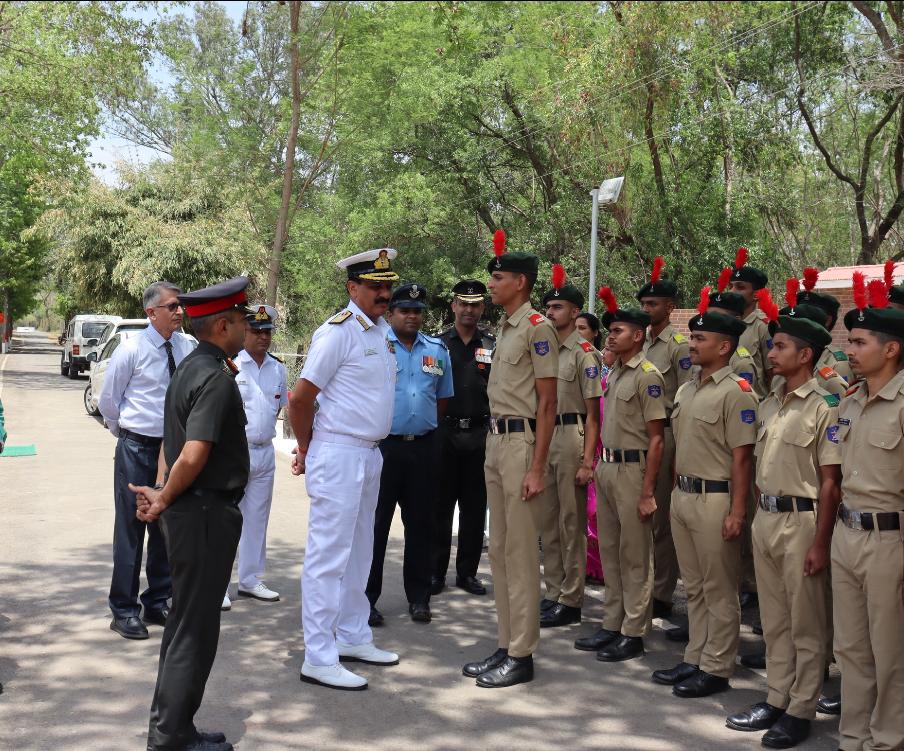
{"x": 255, "y": 508}
{"x": 343, "y": 481}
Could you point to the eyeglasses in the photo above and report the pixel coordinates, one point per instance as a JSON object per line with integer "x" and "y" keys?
{"x": 172, "y": 307}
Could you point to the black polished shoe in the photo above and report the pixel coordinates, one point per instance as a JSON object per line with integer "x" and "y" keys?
{"x": 787, "y": 732}
{"x": 129, "y": 628}
{"x": 512, "y": 671}
{"x": 757, "y": 628}
{"x": 682, "y": 671}
{"x": 473, "y": 669}
{"x": 761, "y": 716}
{"x": 199, "y": 744}
{"x": 748, "y": 600}
{"x": 420, "y": 612}
{"x": 661, "y": 608}
{"x": 437, "y": 584}
{"x": 157, "y": 617}
{"x": 602, "y": 638}
{"x": 700, "y": 684}
{"x": 547, "y": 604}
{"x": 829, "y": 704}
{"x": 625, "y": 648}
{"x": 470, "y": 584}
{"x": 679, "y": 633}
{"x": 375, "y": 618}
{"x": 754, "y": 662}
{"x": 560, "y": 615}
{"x": 211, "y": 737}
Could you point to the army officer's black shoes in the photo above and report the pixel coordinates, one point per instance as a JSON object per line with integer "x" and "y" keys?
{"x": 760, "y": 716}
{"x": 157, "y": 617}
{"x": 560, "y": 615}
{"x": 473, "y": 669}
{"x": 420, "y": 612}
{"x": 787, "y": 732}
{"x": 204, "y": 745}
{"x": 470, "y": 584}
{"x": 829, "y": 704}
{"x": 623, "y": 648}
{"x": 602, "y": 638}
{"x": 205, "y": 737}
{"x": 700, "y": 684}
{"x": 547, "y": 604}
{"x": 129, "y": 628}
{"x": 512, "y": 671}
{"x": 679, "y": 634}
{"x": 437, "y": 584}
{"x": 681, "y": 671}
{"x": 375, "y": 618}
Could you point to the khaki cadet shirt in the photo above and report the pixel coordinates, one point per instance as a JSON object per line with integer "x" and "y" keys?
{"x": 670, "y": 353}
{"x": 757, "y": 341}
{"x": 838, "y": 361}
{"x": 872, "y": 452}
{"x": 526, "y": 349}
{"x": 579, "y": 375}
{"x": 742, "y": 364}
{"x": 634, "y": 397}
{"x": 710, "y": 419}
{"x": 798, "y": 434}
{"x": 826, "y": 378}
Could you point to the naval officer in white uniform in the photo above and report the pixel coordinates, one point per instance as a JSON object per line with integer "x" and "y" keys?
{"x": 350, "y": 372}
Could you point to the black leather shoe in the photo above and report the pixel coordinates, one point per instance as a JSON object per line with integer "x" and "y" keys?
{"x": 602, "y": 638}
{"x": 625, "y": 648}
{"x": 512, "y": 671}
{"x": 829, "y": 704}
{"x": 661, "y": 608}
{"x": 157, "y": 617}
{"x": 437, "y": 584}
{"x": 473, "y": 669}
{"x": 420, "y": 612}
{"x": 547, "y": 604}
{"x": 787, "y": 732}
{"x": 201, "y": 745}
{"x": 748, "y": 600}
{"x": 376, "y": 617}
{"x": 682, "y": 671}
{"x": 470, "y": 584}
{"x": 757, "y": 628}
{"x": 754, "y": 662}
{"x": 211, "y": 737}
{"x": 679, "y": 634}
{"x": 129, "y": 628}
{"x": 700, "y": 684}
{"x": 761, "y": 716}
{"x": 560, "y": 615}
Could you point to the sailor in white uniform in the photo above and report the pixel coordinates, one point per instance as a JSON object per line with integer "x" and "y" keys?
{"x": 340, "y": 409}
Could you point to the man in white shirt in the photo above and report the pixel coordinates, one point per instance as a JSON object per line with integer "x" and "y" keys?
{"x": 262, "y": 381}
{"x": 350, "y": 371}
{"x": 131, "y": 402}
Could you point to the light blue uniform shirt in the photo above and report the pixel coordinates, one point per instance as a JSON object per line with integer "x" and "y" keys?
{"x": 423, "y": 375}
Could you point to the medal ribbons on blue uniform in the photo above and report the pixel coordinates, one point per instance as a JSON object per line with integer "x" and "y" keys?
{"x": 483, "y": 355}
{"x": 432, "y": 365}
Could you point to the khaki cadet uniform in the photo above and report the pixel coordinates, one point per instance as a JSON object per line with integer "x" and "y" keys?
{"x": 868, "y": 569}
{"x": 797, "y": 435}
{"x": 669, "y": 352}
{"x": 757, "y": 342}
{"x": 634, "y": 397}
{"x": 826, "y": 378}
{"x": 525, "y": 351}
{"x": 709, "y": 420}
{"x": 837, "y": 361}
{"x": 564, "y": 534}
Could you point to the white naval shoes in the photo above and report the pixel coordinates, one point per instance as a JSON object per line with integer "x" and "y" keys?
{"x": 332, "y": 676}
{"x": 227, "y": 603}
{"x": 260, "y": 592}
{"x": 368, "y": 653}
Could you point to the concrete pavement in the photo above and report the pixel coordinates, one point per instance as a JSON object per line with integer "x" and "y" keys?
{"x": 71, "y": 683}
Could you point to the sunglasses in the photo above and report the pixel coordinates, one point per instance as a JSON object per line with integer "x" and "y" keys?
{"x": 172, "y": 307}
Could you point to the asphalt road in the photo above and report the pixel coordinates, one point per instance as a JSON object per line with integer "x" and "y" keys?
{"x": 71, "y": 683}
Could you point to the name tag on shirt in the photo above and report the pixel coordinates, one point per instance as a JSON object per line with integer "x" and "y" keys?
{"x": 370, "y": 351}
{"x": 432, "y": 365}
{"x": 483, "y": 355}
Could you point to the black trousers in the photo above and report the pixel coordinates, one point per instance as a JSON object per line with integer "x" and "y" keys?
{"x": 136, "y": 463}
{"x": 409, "y": 478}
{"x": 202, "y": 534}
{"x": 463, "y": 482}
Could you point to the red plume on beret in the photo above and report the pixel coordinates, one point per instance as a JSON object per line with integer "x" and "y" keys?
{"x": 724, "y": 277}
{"x": 858, "y": 285}
{"x": 658, "y": 264}
{"x": 878, "y": 294}
{"x": 499, "y": 242}
{"x": 740, "y": 257}
{"x": 889, "y": 274}
{"x": 792, "y": 287}
{"x": 703, "y": 305}
{"x": 811, "y": 276}
{"x": 558, "y": 276}
{"x": 608, "y": 296}
{"x": 767, "y": 304}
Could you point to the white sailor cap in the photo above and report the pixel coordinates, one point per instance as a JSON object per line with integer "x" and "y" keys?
{"x": 373, "y": 265}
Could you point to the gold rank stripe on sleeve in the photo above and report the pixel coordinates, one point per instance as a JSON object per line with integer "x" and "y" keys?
{"x": 365, "y": 324}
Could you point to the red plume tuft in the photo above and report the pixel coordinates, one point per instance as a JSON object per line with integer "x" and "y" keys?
{"x": 608, "y": 296}
{"x": 558, "y": 276}
{"x": 858, "y": 284}
{"x": 792, "y": 287}
{"x": 724, "y": 278}
{"x": 658, "y": 263}
{"x": 811, "y": 276}
{"x": 499, "y": 242}
{"x": 767, "y": 304}
{"x": 889, "y": 273}
{"x": 703, "y": 305}
{"x": 878, "y": 294}
{"x": 740, "y": 257}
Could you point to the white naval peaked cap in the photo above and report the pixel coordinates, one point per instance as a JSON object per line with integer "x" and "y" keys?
{"x": 374, "y": 265}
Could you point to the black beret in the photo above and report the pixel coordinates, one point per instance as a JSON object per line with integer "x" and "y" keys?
{"x": 794, "y": 322}
{"x": 750, "y": 275}
{"x": 626, "y": 315}
{"x": 568, "y": 293}
{"x": 896, "y": 294}
{"x": 662, "y": 288}
{"x": 829, "y": 303}
{"x": 883, "y": 320}
{"x": 519, "y": 263}
{"x": 730, "y": 301}
{"x": 718, "y": 323}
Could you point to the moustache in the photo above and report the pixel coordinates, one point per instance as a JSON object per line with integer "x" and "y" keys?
{"x": 382, "y": 301}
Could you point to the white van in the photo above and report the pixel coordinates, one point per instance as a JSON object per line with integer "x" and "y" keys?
{"x": 83, "y": 336}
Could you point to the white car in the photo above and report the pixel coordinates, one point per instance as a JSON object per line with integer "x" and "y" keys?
{"x": 81, "y": 339}
{"x": 99, "y": 368}
{"x": 125, "y": 324}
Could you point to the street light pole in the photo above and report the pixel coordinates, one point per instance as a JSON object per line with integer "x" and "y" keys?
{"x": 591, "y": 295}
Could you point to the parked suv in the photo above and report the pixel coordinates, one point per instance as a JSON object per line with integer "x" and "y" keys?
{"x": 82, "y": 338}
{"x": 124, "y": 324}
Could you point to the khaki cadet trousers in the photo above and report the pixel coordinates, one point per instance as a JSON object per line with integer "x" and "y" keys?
{"x": 867, "y": 589}
{"x": 747, "y": 578}
{"x": 709, "y": 568}
{"x": 514, "y": 553}
{"x": 564, "y": 530}
{"x": 792, "y": 610}
{"x": 626, "y": 548}
{"x": 665, "y": 562}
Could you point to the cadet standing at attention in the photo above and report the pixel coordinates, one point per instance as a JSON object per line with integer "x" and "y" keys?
{"x": 797, "y": 483}
{"x": 668, "y": 350}
{"x": 571, "y": 451}
{"x": 714, "y": 421}
{"x": 868, "y": 544}
{"x": 831, "y": 358}
{"x": 522, "y": 393}
{"x": 745, "y": 281}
